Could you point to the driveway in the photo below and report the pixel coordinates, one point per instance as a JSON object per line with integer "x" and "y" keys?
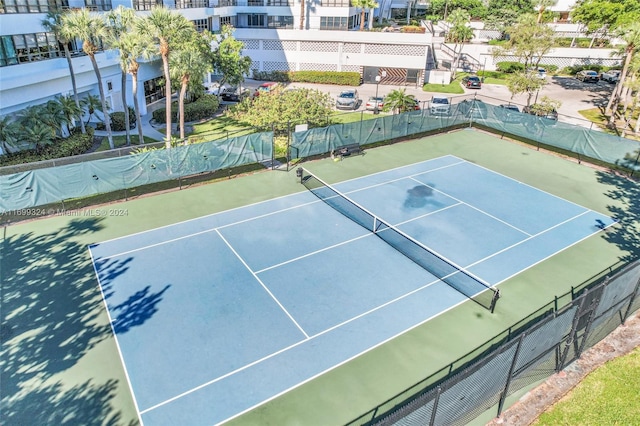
{"x": 574, "y": 95}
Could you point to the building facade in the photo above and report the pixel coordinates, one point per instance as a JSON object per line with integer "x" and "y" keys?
{"x": 33, "y": 68}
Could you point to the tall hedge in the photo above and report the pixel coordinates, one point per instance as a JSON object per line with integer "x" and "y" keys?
{"x": 341, "y": 78}
{"x": 204, "y": 107}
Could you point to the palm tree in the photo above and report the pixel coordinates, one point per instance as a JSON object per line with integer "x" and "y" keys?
{"x": 190, "y": 63}
{"x": 364, "y": 5}
{"x": 120, "y": 22}
{"x": 9, "y": 131}
{"x": 39, "y": 135}
{"x": 133, "y": 45}
{"x": 631, "y": 35}
{"x": 303, "y": 4}
{"x": 55, "y": 117}
{"x": 164, "y": 26}
{"x": 543, "y": 5}
{"x": 31, "y": 115}
{"x": 53, "y": 24}
{"x": 71, "y": 111}
{"x": 92, "y": 104}
{"x": 399, "y": 101}
{"x": 90, "y": 28}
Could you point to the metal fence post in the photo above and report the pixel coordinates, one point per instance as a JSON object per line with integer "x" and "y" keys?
{"x": 505, "y": 392}
{"x": 572, "y": 333}
{"x": 288, "y": 153}
{"x": 432, "y": 420}
{"x": 636, "y": 293}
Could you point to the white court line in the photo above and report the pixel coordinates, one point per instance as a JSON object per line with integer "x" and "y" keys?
{"x": 115, "y": 337}
{"x": 533, "y": 187}
{"x": 552, "y": 254}
{"x": 364, "y": 188}
{"x": 258, "y": 203}
{"x": 205, "y": 231}
{"x": 368, "y": 234}
{"x": 263, "y": 286}
{"x": 474, "y": 208}
{"x": 258, "y": 361}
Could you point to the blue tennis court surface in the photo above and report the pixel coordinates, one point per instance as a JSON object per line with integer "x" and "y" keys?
{"x": 217, "y": 315}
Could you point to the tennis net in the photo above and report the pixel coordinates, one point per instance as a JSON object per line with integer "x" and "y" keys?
{"x": 448, "y": 272}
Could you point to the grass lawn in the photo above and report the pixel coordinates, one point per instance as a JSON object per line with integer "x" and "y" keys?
{"x": 608, "y": 396}
{"x": 494, "y": 77}
{"x": 454, "y": 87}
{"x": 218, "y": 128}
{"x": 121, "y": 140}
{"x": 352, "y": 117}
{"x": 596, "y": 116}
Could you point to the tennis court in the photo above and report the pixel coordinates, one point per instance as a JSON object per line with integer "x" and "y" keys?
{"x": 217, "y": 315}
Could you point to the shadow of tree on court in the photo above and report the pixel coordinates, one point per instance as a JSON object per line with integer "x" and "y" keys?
{"x": 626, "y": 210}
{"x": 87, "y": 404}
{"x": 138, "y": 308}
{"x": 52, "y": 315}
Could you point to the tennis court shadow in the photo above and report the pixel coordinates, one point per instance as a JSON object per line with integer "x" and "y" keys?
{"x": 138, "y": 308}
{"x": 52, "y": 315}
{"x": 87, "y": 404}
{"x": 626, "y": 211}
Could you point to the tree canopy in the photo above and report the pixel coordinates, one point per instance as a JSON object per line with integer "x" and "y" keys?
{"x": 606, "y": 14}
{"x": 228, "y": 59}
{"x": 283, "y": 108}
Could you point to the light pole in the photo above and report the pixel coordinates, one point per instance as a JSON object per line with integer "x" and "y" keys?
{"x": 378, "y": 78}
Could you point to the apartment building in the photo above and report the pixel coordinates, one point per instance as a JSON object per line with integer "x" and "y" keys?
{"x": 33, "y": 68}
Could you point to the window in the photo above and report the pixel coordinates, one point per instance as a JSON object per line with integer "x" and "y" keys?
{"x": 145, "y": 4}
{"x": 279, "y": 3}
{"x": 255, "y": 20}
{"x": 8, "y": 54}
{"x": 333, "y": 23}
{"x": 223, "y": 3}
{"x": 109, "y": 86}
{"x": 190, "y": 4}
{"x": 31, "y": 6}
{"x": 228, "y": 20}
{"x": 153, "y": 90}
{"x": 256, "y": 3}
{"x": 28, "y": 48}
{"x": 280, "y": 22}
{"x": 201, "y": 25}
{"x": 98, "y": 5}
{"x": 335, "y": 3}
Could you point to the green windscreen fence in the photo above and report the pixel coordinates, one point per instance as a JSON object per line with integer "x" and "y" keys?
{"x": 49, "y": 185}
{"x": 37, "y": 186}
{"x": 594, "y": 144}
{"x": 323, "y": 140}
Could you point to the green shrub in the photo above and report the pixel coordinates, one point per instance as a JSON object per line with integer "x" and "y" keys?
{"x": 203, "y": 107}
{"x": 341, "y": 78}
{"x": 510, "y": 66}
{"x": 75, "y": 144}
{"x": 551, "y": 69}
{"x": 577, "y": 68}
{"x": 118, "y": 120}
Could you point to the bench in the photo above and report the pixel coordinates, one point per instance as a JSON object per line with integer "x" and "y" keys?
{"x": 346, "y": 150}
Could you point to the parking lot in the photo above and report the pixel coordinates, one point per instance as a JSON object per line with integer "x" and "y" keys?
{"x": 574, "y": 95}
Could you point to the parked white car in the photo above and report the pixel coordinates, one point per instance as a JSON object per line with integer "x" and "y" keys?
{"x": 612, "y": 76}
{"x": 439, "y": 105}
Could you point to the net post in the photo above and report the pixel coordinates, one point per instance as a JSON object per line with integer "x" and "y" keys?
{"x": 494, "y": 300}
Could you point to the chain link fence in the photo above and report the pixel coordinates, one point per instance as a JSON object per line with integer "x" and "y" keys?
{"x": 526, "y": 353}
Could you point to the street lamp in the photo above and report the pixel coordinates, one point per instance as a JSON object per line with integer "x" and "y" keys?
{"x": 378, "y": 78}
